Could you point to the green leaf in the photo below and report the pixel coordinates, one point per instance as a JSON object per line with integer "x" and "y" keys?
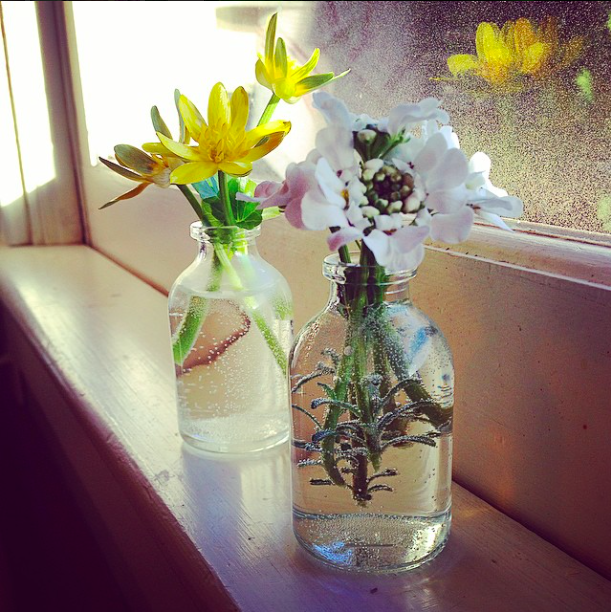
{"x": 271, "y": 213}
{"x": 213, "y": 209}
{"x": 208, "y": 188}
{"x": 246, "y": 214}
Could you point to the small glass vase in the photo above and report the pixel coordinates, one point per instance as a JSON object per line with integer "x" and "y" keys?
{"x": 231, "y": 324}
{"x": 372, "y": 396}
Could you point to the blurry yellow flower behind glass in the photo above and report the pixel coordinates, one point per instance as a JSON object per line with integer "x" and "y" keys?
{"x": 282, "y": 75}
{"x": 223, "y": 144}
{"x": 520, "y": 49}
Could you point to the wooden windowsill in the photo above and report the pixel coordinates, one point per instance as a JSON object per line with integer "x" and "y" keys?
{"x": 188, "y": 532}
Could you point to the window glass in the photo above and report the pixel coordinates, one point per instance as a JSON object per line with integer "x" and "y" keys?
{"x": 30, "y": 103}
{"x": 527, "y": 82}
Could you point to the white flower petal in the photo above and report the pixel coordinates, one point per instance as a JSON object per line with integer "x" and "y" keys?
{"x": 354, "y": 214}
{"x": 379, "y": 244}
{"x": 480, "y": 162}
{"x": 342, "y": 237}
{"x": 335, "y": 143}
{"x": 360, "y": 122}
{"x": 507, "y": 206}
{"x": 447, "y": 201}
{"x": 451, "y": 171}
{"x": 452, "y": 228}
{"x": 408, "y": 238}
{"x": 330, "y": 184}
{"x": 334, "y": 110}
{"x": 400, "y": 165}
{"x": 406, "y": 261}
{"x": 451, "y": 137}
{"x": 318, "y": 214}
{"x": 384, "y": 223}
{"x": 428, "y": 158}
{"x": 407, "y": 152}
{"x": 494, "y": 219}
{"x": 423, "y": 217}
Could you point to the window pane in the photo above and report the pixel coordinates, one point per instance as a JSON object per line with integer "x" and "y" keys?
{"x": 30, "y": 98}
{"x": 535, "y": 94}
{"x": 154, "y": 48}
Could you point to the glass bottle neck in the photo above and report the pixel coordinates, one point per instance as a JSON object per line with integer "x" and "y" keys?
{"x": 357, "y": 295}
{"x": 354, "y": 285}
{"x": 228, "y": 239}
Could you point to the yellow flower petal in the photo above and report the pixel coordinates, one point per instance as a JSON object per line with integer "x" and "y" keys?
{"x": 459, "y": 64}
{"x": 128, "y": 174}
{"x": 218, "y": 107}
{"x": 524, "y": 35}
{"x": 158, "y": 149}
{"x": 303, "y": 72}
{"x": 267, "y": 144}
{"x": 256, "y": 134}
{"x": 184, "y": 132}
{"x": 178, "y": 148}
{"x": 261, "y": 73}
{"x": 193, "y": 119}
{"x": 132, "y": 193}
{"x": 193, "y": 172}
{"x": 239, "y": 110}
{"x": 236, "y": 168}
{"x": 535, "y": 57}
{"x": 280, "y": 60}
{"x": 135, "y": 159}
{"x": 158, "y": 123}
{"x": 270, "y": 39}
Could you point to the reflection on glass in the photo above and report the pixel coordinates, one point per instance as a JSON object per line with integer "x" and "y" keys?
{"x": 30, "y": 100}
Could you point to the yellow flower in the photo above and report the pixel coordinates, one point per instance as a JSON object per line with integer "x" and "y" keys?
{"x": 151, "y": 168}
{"x": 282, "y": 75}
{"x": 223, "y": 143}
{"x": 520, "y": 49}
{"x": 138, "y": 166}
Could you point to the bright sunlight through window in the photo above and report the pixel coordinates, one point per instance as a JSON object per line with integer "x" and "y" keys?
{"x": 28, "y": 87}
{"x": 119, "y": 86}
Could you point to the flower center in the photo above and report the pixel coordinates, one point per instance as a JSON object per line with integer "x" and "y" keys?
{"x": 389, "y": 187}
{"x": 218, "y": 143}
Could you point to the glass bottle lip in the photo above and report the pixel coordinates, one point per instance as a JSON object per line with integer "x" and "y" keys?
{"x": 339, "y": 271}
{"x": 224, "y": 234}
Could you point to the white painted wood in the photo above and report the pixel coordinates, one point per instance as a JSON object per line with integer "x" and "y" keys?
{"x": 94, "y": 342}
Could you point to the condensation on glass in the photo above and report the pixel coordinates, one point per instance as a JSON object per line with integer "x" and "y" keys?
{"x": 535, "y": 95}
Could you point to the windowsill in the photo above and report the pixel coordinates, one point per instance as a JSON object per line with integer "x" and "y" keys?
{"x": 189, "y": 532}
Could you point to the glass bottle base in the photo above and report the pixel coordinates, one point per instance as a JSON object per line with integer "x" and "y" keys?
{"x": 372, "y": 542}
{"x": 239, "y": 447}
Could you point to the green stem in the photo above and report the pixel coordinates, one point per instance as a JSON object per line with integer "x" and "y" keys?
{"x": 269, "y": 109}
{"x": 344, "y": 254}
{"x": 185, "y": 336}
{"x": 195, "y": 205}
{"x": 225, "y": 199}
{"x": 250, "y": 305}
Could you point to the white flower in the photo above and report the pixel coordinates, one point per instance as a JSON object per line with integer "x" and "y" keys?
{"x": 487, "y": 201}
{"x": 450, "y": 228}
{"x": 439, "y": 172}
{"x": 406, "y": 116}
{"x": 335, "y": 112}
{"x": 398, "y": 250}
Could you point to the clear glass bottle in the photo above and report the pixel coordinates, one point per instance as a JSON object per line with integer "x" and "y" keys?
{"x": 231, "y": 324}
{"x": 372, "y": 397}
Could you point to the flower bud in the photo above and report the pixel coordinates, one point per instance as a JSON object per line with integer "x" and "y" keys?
{"x": 366, "y": 136}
